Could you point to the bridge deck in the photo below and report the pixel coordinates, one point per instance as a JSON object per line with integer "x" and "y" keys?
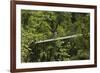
{"x": 60, "y": 38}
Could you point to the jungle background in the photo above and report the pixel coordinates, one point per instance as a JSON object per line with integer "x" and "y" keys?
{"x": 43, "y": 25}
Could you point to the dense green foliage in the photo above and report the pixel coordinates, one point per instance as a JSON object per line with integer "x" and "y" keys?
{"x": 43, "y": 25}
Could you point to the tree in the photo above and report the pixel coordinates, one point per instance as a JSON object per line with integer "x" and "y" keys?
{"x": 42, "y": 25}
